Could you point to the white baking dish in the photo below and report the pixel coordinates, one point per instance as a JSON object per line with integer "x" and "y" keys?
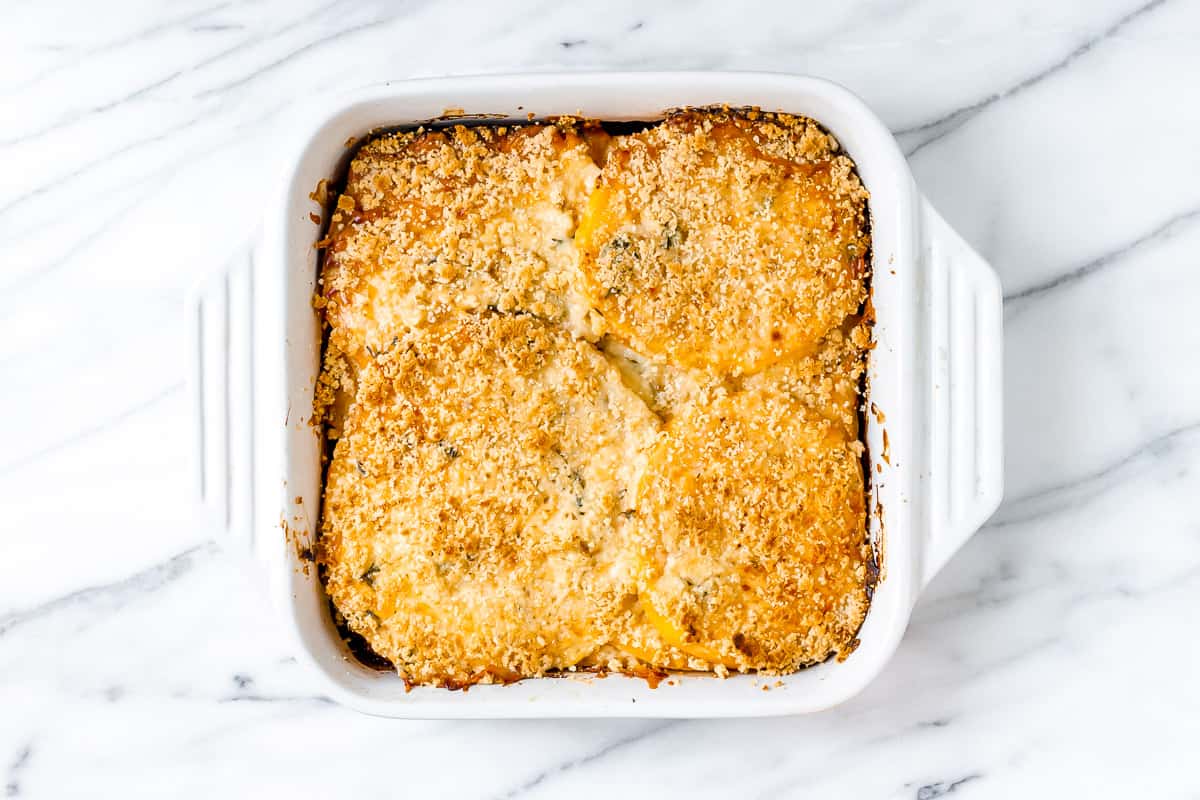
{"x": 935, "y": 449}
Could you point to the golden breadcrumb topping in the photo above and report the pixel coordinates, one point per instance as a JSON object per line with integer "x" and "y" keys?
{"x": 751, "y": 513}
{"x": 477, "y": 504}
{"x": 725, "y": 242}
{"x": 594, "y": 399}
{"x": 465, "y": 219}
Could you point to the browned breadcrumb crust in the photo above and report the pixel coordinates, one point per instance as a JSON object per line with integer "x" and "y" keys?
{"x": 725, "y": 242}
{"x": 478, "y": 498}
{"x": 465, "y": 219}
{"x": 752, "y": 518}
{"x": 595, "y": 398}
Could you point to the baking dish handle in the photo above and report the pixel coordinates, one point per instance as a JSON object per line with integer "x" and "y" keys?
{"x": 220, "y": 321}
{"x": 965, "y": 318}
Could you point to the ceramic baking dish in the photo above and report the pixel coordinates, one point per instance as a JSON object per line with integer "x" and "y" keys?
{"x": 934, "y": 437}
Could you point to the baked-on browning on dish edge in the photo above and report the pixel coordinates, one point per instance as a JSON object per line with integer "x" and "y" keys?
{"x": 593, "y": 398}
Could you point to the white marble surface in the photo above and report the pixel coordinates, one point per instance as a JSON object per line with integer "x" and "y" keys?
{"x": 1057, "y": 654}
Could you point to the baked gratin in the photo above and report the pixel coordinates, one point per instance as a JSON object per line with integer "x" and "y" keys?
{"x": 593, "y": 398}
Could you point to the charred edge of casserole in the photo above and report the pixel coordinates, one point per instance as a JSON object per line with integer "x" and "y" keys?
{"x": 864, "y": 410}
{"x": 325, "y": 195}
{"x": 867, "y": 313}
{"x": 356, "y": 644}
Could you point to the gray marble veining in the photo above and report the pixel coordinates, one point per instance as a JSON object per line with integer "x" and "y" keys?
{"x": 1054, "y": 656}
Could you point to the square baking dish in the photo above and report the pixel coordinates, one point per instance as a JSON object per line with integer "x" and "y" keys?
{"x": 933, "y": 432}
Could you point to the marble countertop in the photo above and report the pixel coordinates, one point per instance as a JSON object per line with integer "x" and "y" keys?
{"x": 1056, "y": 655}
